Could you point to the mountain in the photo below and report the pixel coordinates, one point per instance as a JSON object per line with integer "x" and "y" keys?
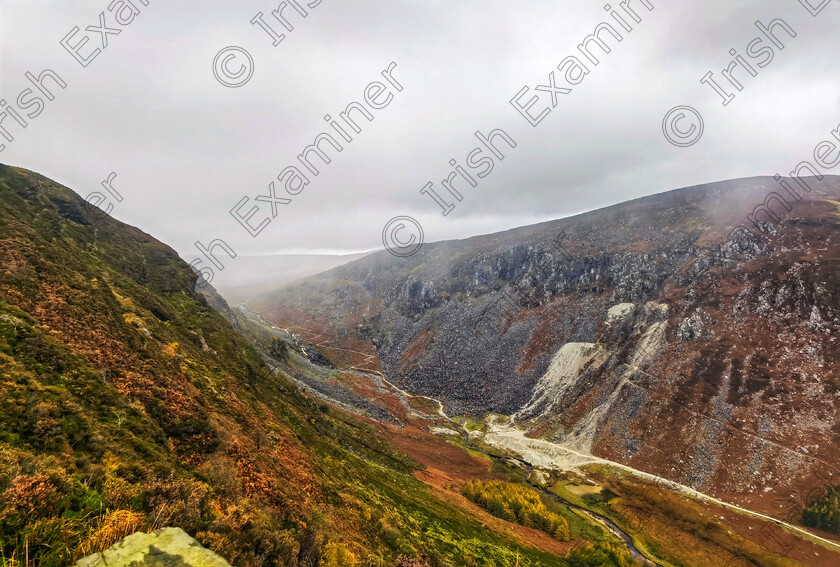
{"x": 129, "y": 403}
{"x": 690, "y": 335}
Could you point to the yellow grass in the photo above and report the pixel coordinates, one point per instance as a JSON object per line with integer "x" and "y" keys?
{"x": 113, "y": 527}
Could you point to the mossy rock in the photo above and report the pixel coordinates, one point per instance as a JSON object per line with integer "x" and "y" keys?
{"x": 168, "y": 547}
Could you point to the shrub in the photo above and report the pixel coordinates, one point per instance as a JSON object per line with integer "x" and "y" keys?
{"x": 336, "y": 555}
{"x": 31, "y": 496}
{"x": 824, "y": 513}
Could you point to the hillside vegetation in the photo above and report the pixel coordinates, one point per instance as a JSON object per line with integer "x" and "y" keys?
{"x": 699, "y": 322}
{"x": 824, "y": 513}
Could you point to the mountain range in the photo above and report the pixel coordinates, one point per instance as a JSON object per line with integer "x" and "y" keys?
{"x": 690, "y": 335}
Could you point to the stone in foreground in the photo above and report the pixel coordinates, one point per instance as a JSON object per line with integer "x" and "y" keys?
{"x": 167, "y": 547}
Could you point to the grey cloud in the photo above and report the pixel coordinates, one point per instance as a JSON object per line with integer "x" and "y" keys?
{"x": 187, "y": 149}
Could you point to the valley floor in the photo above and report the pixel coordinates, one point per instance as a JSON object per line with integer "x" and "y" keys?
{"x": 456, "y": 450}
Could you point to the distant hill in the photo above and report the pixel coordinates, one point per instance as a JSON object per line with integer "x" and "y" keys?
{"x": 248, "y": 277}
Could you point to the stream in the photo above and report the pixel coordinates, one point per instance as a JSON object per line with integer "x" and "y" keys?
{"x": 598, "y": 518}
{"x": 379, "y": 377}
{"x": 603, "y": 520}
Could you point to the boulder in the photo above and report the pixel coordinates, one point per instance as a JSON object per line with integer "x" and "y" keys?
{"x": 167, "y": 547}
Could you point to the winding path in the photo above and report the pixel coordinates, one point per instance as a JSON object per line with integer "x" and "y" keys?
{"x": 518, "y": 436}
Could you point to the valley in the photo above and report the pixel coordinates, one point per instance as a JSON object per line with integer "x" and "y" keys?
{"x": 131, "y": 402}
{"x": 479, "y": 286}
{"x": 614, "y": 364}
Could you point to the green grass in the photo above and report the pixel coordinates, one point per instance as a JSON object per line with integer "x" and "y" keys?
{"x": 678, "y": 513}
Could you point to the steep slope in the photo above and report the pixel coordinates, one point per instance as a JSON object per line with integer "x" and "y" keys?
{"x": 127, "y": 403}
{"x": 691, "y": 334}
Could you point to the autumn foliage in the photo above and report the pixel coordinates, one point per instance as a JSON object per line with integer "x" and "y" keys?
{"x": 517, "y": 503}
{"x": 31, "y": 495}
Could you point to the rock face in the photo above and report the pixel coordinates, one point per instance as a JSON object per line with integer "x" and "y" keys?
{"x": 567, "y": 367}
{"x": 168, "y": 547}
{"x": 690, "y": 334}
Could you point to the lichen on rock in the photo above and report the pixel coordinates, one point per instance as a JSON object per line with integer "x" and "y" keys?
{"x": 167, "y": 547}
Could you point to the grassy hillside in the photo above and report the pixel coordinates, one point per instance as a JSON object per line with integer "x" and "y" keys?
{"x": 127, "y": 402}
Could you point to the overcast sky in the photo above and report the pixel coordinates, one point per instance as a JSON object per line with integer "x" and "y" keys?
{"x": 186, "y": 149}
